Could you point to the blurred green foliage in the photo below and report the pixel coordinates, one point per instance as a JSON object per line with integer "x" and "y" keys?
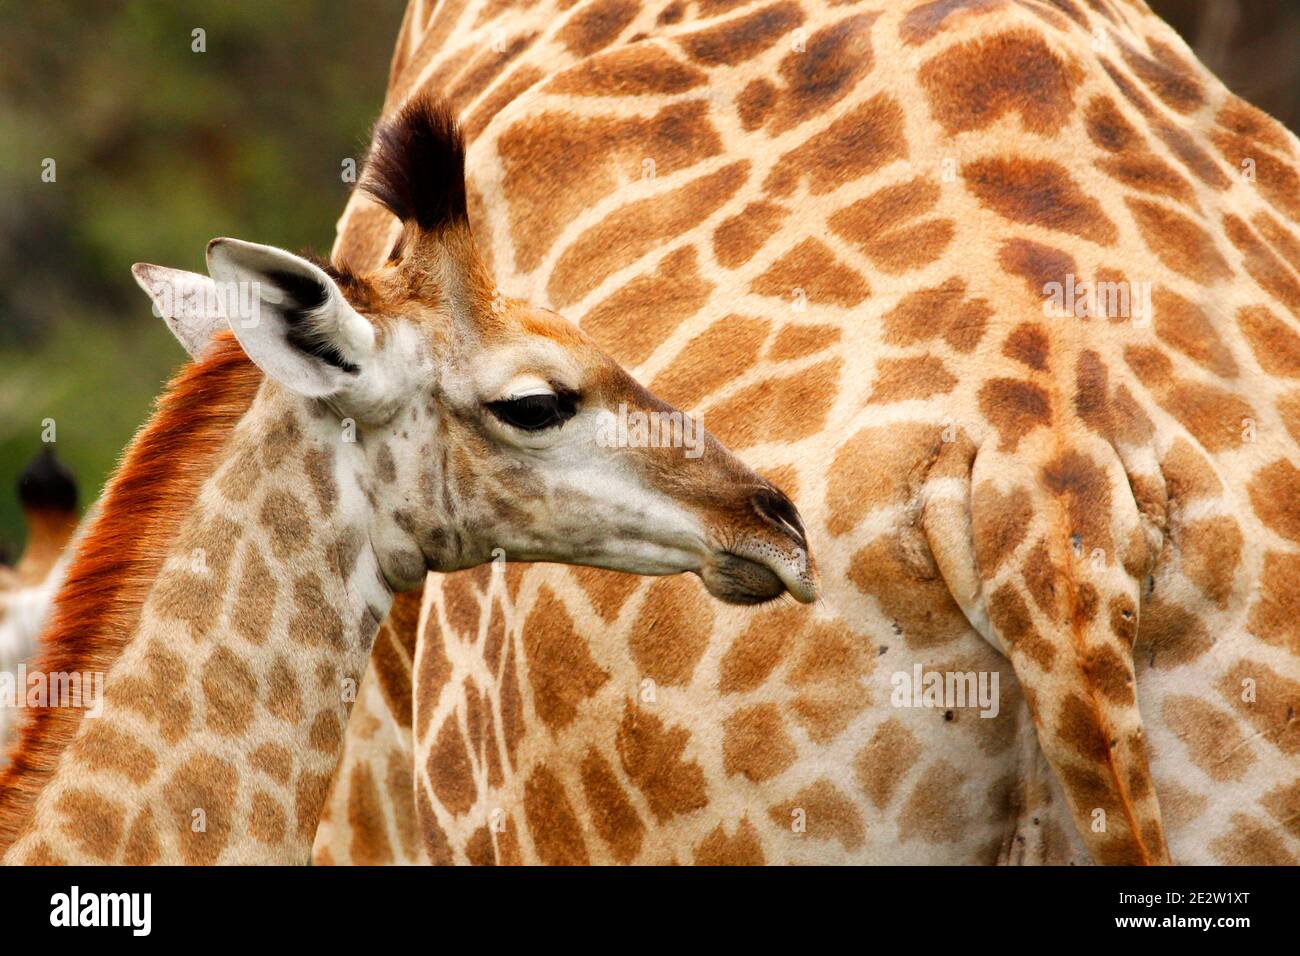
{"x": 157, "y": 149}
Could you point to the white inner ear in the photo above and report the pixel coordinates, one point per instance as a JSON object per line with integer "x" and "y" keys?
{"x": 291, "y": 340}
{"x": 186, "y": 301}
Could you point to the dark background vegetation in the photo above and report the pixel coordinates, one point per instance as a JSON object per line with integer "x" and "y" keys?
{"x": 159, "y": 148}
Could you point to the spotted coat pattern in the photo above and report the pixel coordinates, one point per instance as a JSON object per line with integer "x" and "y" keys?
{"x": 829, "y": 229}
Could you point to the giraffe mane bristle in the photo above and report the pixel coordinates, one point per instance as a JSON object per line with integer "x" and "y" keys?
{"x": 143, "y": 506}
{"x": 416, "y": 166}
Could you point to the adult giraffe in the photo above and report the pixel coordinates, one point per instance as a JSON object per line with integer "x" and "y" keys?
{"x": 356, "y": 431}
{"x": 832, "y": 229}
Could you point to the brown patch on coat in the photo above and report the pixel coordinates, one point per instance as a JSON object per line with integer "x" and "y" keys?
{"x": 1040, "y": 576}
{"x": 760, "y": 412}
{"x": 743, "y": 38}
{"x": 229, "y": 693}
{"x": 1040, "y": 193}
{"x": 858, "y": 143}
{"x": 612, "y": 813}
{"x": 451, "y": 776}
{"x": 877, "y": 467}
{"x": 1010, "y": 616}
{"x": 1184, "y": 325}
{"x": 597, "y": 25}
{"x": 142, "y": 841}
{"x": 1274, "y": 342}
{"x": 1211, "y": 551}
{"x": 256, "y": 599}
{"x": 1275, "y": 495}
{"x": 902, "y": 379}
{"x": 935, "y": 811}
{"x": 826, "y": 813}
{"x": 652, "y": 755}
{"x": 1188, "y": 473}
{"x": 560, "y": 667}
{"x": 882, "y": 226}
{"x": 910, "y": 591}
{"x": 755, "y": 103}
{"x": 884, "y": 761}
{"x": 1263, "y": 264}
{"x": 757, "y": 651}
{"x": 1249, "y": 840}
{"x": 1014, "y": 408}
{"x": 640, "y": 70}
{"x": 926, "y": 21}
{"x": 999, "y": 523}
{"x": 741, "y": 849}
{"x": 723, "y": 351}
{"x": 1178, "y": 242}
{"x": 973, "y": 83}
{"x": 1083, "y": 485}
{"x": 831, "y": 63}
{"x": 1037, "y": 264}
{"x": 1028, "y": 344}
{"x": 636, "y": 318}
{"x": 1212, "y": 736}
{"x": 208, "y": 783}
{"x": 1167, "y": 75}
{"x": 92, "y": 820}
{"x": 273, "y": 760}
{"x": 739, "y": 237}
{"x": 1169, "y": 635}
{"x": 812, "y": 268}
{"x": 557, "y": 833}
{"x": 266, "y": 822}
{"x": 755, "y": 743}
{"x": 798, "y": 341}
{"x": 1275, "y": 615}
{"x": 940, "y": 312}
{"x": 671, "y": 633}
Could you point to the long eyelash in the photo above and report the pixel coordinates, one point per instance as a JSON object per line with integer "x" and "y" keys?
{"x": 561, "y": 406}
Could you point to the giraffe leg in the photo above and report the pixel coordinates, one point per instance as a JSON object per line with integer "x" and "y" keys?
{"x": 1052, "y": 577}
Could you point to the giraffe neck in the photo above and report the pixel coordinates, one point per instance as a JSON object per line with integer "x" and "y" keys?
{"x": 222, "y": 716}
{"x": 48, "y": 533}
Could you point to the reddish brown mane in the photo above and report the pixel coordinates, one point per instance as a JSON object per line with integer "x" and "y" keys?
{"x": 140, "y": 513}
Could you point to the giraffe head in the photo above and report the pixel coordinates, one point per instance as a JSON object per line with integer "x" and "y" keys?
{"x": 479, "y": 426}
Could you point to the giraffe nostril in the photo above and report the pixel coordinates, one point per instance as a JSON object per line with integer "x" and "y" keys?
{"x": 777, "y": 510}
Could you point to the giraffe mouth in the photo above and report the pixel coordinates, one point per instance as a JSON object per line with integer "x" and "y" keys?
{"x": 740, "y": 579}
{"x": 767, "y": 559}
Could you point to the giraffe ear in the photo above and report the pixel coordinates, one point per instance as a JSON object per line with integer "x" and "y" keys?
{"x": 186, "y": 301}
{"x": 291, "y": 318}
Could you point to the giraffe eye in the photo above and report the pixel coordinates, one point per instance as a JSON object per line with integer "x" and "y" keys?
{"x": 532, "y": 413}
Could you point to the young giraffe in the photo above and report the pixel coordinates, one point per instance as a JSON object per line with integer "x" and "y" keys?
{"x": 1110, "y": 505}
{"x": 396, "y": 421}
{"x": 48, "y": 495}
{"x": 24, "y": 611}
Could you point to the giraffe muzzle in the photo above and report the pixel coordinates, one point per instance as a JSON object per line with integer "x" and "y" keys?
{"x": 766, "y": 560}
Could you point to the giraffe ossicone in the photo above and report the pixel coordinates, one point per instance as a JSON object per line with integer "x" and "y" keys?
{"x": 351, "y": 433}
